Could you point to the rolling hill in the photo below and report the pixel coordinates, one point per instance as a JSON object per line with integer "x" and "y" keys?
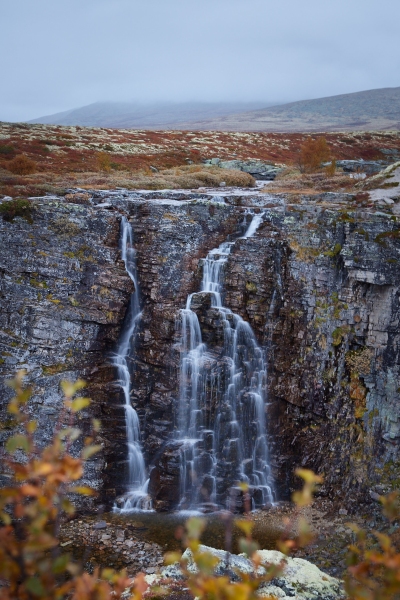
{"x": 372, "y": 110}
{"x": 126, "y": 115}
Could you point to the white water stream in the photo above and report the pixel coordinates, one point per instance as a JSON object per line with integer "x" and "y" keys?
{"x": 221, "y": 417}
{"x": 136, "y": 496}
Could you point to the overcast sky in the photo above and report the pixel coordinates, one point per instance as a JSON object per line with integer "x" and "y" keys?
{"x": 60, "y": 54}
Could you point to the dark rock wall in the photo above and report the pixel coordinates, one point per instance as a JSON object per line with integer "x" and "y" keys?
{"x": 320, "y": 289}
{"x": 319, "y": 285}
{"x": 331, "y": 332}
{"x": 170, "y": 241}
{"x": 63, "y": 296}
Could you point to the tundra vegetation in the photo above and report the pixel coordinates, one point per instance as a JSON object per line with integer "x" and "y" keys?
{"x": 40, "y": 159}
{"x": 37, "y": 500}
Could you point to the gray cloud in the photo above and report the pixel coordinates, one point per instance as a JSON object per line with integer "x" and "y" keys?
{"x": 59, "y": 55}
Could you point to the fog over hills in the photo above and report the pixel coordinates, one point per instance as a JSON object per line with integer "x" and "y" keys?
{"x": 369, "y": 110}
{"x": 166, "y": 115}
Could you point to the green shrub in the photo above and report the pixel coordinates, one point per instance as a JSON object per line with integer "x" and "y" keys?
{"x": 334, "y": 252}
{"x": 7, "y": 150}
{"x": 16, "y": 208}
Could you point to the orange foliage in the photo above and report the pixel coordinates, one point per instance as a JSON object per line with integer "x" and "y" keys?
{"x": 32, "y": 565}
{"x": 21, "y": 165}
{"x": 312, "y": 153}
{"x": 103, "y": 162}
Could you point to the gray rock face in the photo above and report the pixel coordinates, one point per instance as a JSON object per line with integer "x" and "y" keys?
{"x": 320, "y": 289}
{"x": 63, "y": 296}
{"x": 298, "y": 579}
{"x": 319, "y": 283}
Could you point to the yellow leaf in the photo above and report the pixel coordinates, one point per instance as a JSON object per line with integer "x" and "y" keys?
{"x": 108, "y": 574}
{"x": 90, "y": 450}
{"x": 195, "y": 527}
{"x": 96, "y": 425}
{"x": 31, "y": 426}
{"x": 17, "y": 441}
{"x": 243, "y": 486}
{"x": 79, "y": 404}
{"x": 69, "y": 388}
{"x": 43, "y": 468}
{"x": 309, "y": 476}
{"x": 5, "y": 518}
{"x": 248, "y": 547}
{"x": 245, "y": 525}
{"x": 67, "y": 506}
{"x": 384, "y": 541}
{"x": 172, "y": 557}
{"x": 84, "y": 490}
{"x": 302, "y": 498}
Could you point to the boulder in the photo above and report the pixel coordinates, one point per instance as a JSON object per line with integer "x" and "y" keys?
{"x": 257, "y": 168}
{"x": 299, "y": 580}
{"x": 370, "y": 167}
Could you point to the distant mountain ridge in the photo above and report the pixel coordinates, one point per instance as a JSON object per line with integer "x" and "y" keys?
{"x": 132, "y": 115}
{"x": 370, "y": 110}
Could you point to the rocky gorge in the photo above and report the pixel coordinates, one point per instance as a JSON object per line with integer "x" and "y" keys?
{"x": 318, "y": 283}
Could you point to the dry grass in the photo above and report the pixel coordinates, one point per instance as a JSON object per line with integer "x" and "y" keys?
{"x": 185, "y": 177}
{"x": 21, "y": 165}
{"x": 292, "y": 181}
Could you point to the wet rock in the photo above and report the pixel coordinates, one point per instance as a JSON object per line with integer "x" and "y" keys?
{"x": 100, "y": 525}
{"x": 164, "y": 485}
{"x": 374, "y": 495}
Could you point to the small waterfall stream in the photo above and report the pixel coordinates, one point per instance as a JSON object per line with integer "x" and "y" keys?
{"x": 136, "y": 496}
{"x": 221, "y": 422}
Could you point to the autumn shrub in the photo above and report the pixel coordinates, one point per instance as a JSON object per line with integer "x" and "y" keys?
{"x": 330, "y": 169}
{"x": 32, "y": 564}
{"x": 103, "y": 162}
{"x": 374, "y": 567}
{"x": 21, "y": 165}
{"x": 312, "y": 153}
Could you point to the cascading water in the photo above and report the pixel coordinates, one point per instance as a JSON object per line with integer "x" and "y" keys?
{"x": 221, "y": 414}
{"x": 136, "y": 496}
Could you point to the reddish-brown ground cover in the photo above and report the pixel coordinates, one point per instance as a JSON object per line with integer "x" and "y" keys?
{"x": 63, "y": 154}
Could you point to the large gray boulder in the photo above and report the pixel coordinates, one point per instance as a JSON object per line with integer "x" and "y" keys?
{"x": 257, "y": 168}
{"x": 299, "y": 580}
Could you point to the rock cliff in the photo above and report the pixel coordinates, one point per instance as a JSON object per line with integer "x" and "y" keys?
{"x": 63, "y": 296}
{"x": 319, "y": 284}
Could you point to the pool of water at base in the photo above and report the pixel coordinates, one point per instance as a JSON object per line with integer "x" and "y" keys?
{"x": 166, "y": 529}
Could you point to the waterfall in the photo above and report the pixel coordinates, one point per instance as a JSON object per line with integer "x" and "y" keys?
{"x": 136, "y": 496}
{"x": 221, "y": 422}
